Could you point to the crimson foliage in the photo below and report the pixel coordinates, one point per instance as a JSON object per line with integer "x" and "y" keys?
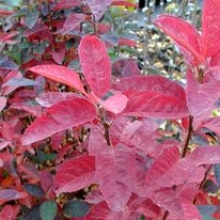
{"x": 77, "y": 143}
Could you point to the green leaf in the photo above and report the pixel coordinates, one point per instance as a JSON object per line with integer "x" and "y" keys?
{"x": 76, "y": 209}
{"x": 48, "y": 210}
{"x": 9, "y": 4}
{"x": 31, "y": 18}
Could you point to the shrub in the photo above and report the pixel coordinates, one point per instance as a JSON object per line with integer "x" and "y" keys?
{"x": 79, "y": 142}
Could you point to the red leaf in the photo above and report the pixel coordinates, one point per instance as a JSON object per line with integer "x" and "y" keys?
{"x": 125, "y": 68}
{"x": 123, "y": 3}
{"x": 95, "y": 63}
{"x": 75, "y": 174}
{"x": 3, "y": 102}
{"x": 39, "y": 29}
{"x": 141, "y": 206}
{"x": 63, "y": 4}
{"x": 213, "y": 124}
{"x": 201, "y": 97}
{"x": 115, "y": 103}
{"x": 190, "y": 211}
{"x": 152, "y": 96}
{"x": 155, "y": 104}
{"x": 98, "y": 7}
{"x": 116, "y": 184}
{"x": 161, "y": 165}
{"x": 204, "y": 155}
{"x": 127, "y": 42}
{"x": 27, "y": 104}
{"x": 138, "y": 134}
{"x": 210, "y": 27}
{"x": 61, "y": 116}
{"x": 10, "y": 212}
{"x": 72, "y": 22}
{"x": 30, "y": 171}
{"x": 50, "y": 98}
{"x": 6, "y": 37}
{"x": 58, "y": 56}
{"x": 184, "y": 35}
{"x": 60, "y": 74}
{"x": 168, "y": 199}
{"x": 10, "y": 194}
{"x": 149, "y": 83}
{"x": 170, "y": 176}
{"x": 100, "y": 211}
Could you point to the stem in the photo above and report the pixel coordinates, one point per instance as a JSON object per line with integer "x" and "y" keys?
{"x": 94, "y": 25}
{"x": 189, "y": 133}
{"x": 106, "y": 127}
{"x": 186, "y": 144}
{"x": 166, "y": 213}
{"x": 203, "y": 181}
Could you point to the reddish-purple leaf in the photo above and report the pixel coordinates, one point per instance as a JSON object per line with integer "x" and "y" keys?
{"x": 3, "y": 102}
{"x": 10, "y": 212}
{"x": 14, "y": 83}
{"x": 29, "y": 170}
{"x": 140, "y": 206}
{"x": 39, "y": 29}
{"x": 7, "y": 37}
{"x": 58, "y": 56}
{"x": 138, "y": 134}
{"x": 98, "y": 7}
{"x": 72, "y": 22}
{"x": 152, "y": 96}
{"x": 50, "y": 98}
{"x": 170, "y": 177}
{"x": 97, "y": 141}
{"x": 125, "y": 68}
{"x": 46, "y": 180}
{"x": 61, "y": 116}
{"x": 122, "y": 41}
{"x": 213, "y": 124}
{"x": 95, "y": 63}
{"x": 100, "y": 211}
{"x": 155, "y": 104}
{"x": 210, "y": 27}
{"x": 184, "y": 35}
{"x": 66, "y": 4}
{"x": 168, "y": 199}
{"x": 4, "y": 144}
{"x": 75, "y": 174}
{"x": 204, "y": 155}
{"x": 149, "y": 83}
{"x": 116, "y": 184}
{"x": 123, "y": 3}
{"x": 117, "y": 129}
{"x": 161, "y": 165}
{"x": 201, "y": 97}
{"x": 27, "y": 104}
{"x": 59, "y": 74}
{"x": 115, "y": 103}
{"x": 190, "y": 211}
{"x": 10, "y": 194}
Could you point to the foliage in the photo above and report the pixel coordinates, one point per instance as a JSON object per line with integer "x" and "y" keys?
{"x": 86, "y": 137}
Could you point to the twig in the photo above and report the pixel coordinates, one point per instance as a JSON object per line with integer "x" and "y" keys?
{"x": 189, "y": 133}
{"x": 186, "y": 144}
